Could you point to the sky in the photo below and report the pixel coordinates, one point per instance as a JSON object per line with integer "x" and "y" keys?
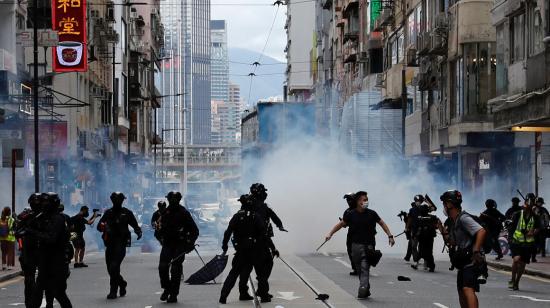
{"x": 248, "y": 25}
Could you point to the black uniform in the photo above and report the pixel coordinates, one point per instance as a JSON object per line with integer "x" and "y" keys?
{"x": 493, "y": 220}
{"x": 250, "y": 242}
{"x": 412, "y": 222}
{"x": 425, "y": 233}
{"x": 512, "y": 210}
{"x": 178, "y": 234}
{"x": 53, "y": 264}
{"x": 29, "y": 253}
{"x": 116, "y": 237}
{"x": 348, "y": 245}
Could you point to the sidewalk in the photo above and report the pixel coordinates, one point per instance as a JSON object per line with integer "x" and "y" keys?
{"x": 14, "y": 272}
{"x": 541, "y": 268}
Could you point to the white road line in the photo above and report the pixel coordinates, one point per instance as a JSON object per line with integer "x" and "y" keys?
{"x": 410, "y": 292}
{"x": 390, "y": 282}
{"x": 324, "y": 253}
{"x": 440, "y": 305}
{"x": 346, "y": 264}
{"x": 148, "y": 306}
{"x": 533, "y": 299}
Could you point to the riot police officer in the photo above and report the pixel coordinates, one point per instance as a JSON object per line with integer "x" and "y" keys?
{"x": 425, "y": 233}
{"x": 116, "y": 237}
{"x": 493, "y": 220}
{"x": 29, "y": 244}
{"x": 249, "y": 236}
{"x": 177, "y": 232}
{"x": 411, "y": 228}
{"x": 52, "y": 234}
{"x": 155, "y": 218}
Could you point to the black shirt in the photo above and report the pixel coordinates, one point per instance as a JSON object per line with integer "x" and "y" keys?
{"x": 513, "y": 209}
{"x": 362, "y": 226}
{"x": 175, "y": 220}
{"x": 79, "y": 224}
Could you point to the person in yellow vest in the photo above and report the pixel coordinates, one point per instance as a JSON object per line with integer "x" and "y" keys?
{"x": 7, "y": 239}
{"x": 522, "y": 232}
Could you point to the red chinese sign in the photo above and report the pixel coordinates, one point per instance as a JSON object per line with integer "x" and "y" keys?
{"x": 69, "y": 20}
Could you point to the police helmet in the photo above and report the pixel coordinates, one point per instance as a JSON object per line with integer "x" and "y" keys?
{"x": 530, "y": 198}
{"x": 539, "y": 200}
{"x": 117, "y": 196}
{"x": 257, "y": 188}
{"x": 515, "y": 200}
{"x": 452, "y": 196}
{"x": 419, "y": 198}
{"x": 490, "y": 203}
{"x": 34, "y": 198}
{"x": 174, "y": 196}
{"x": 161, "y": 204}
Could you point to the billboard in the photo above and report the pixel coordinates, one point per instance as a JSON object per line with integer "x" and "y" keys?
{"x": 52, "y": 139}
{"x": 69, "y": 20}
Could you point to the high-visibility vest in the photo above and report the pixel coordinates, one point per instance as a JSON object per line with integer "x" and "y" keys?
{"x": 521, "y": 236}
{"x": 11, "y": 234}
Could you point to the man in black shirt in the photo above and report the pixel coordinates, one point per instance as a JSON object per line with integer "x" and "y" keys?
{"x": 79, "y": 223}
{"x": 493, "y": 220}
{"x": 116, "y": 237}
{"x": 350, "y": 200}
{"x": 155, "y": 219}
{"x": 362, "y": 227}
{"x": 178, "y": 233}
{"x": 513, "y": 209}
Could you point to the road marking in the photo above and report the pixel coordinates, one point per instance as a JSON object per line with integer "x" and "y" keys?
{"x": 289, "y": 296}
{"x": 43, "y": 305}
{"x": 346, "y": 264}
{"x": 16, "y": 304}
{"x": 524, "y": 275}
{"x": 324, "y": 253}
{"x": 148, "y": 306}
{"x": 390, "y": 282}
{"x": 440, "y": 305}
{"x": 410, "y": 292}
{"x": 159, "y": 292}
{"x": 534, "y": 299}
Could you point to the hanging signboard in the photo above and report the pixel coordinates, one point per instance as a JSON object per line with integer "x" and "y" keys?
{"x": 69, "y": 20}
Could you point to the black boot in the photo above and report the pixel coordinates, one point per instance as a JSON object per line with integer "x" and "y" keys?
{"x": 245, "y": 297}
{"x": 122, "y": 286}
{"x": 172, "y": 298}
{"x": 164, "y": 295}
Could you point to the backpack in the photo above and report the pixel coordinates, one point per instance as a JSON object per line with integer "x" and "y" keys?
{"x": 243, "y": 237}
{"x": 487, "y": 244}
{"x": 4, "y": 228}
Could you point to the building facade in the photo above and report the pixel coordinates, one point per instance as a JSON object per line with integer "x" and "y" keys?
{"x": 220, "y": 64}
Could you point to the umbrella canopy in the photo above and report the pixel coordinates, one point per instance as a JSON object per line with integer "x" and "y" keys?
{"x": 210, "y": 271}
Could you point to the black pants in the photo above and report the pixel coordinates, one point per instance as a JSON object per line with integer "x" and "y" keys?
{"x": 409, "y": 250}
{"x": 540, "y": 244}
{"x": 241, "y": 266}
{"x": 425, "y": 249}
{"x": 170, "y": 274}
{"x": 52, "y": 279}
{"x": 114, "y": 255}
{"x": 348, "y": 248}
{"x": 495, "y": 245}
{"x": 263, "y": 265}
{"x": 29, "y": 267}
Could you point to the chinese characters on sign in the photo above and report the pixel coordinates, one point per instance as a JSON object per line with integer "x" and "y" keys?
{"x": 69, "y": 20}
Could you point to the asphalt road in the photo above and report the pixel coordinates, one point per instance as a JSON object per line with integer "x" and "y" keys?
{"x": 428, "y": 289}
{"x": 326, "y": 274}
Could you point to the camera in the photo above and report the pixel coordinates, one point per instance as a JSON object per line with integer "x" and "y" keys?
{"x": 96, "y": 212}
{"x": 402, "y": 215}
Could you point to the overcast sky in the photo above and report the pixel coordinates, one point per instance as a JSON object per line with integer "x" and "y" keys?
{"x": 248, "y": 26}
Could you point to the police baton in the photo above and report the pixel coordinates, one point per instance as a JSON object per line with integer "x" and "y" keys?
{"x": 399, "y": 234}
{"x": 522, "y": 196}
{"x": 321, "y": 245}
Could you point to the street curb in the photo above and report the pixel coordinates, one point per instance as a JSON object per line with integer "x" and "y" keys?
{"x": 11, "y": 275}
{"x": 527, "y": 270}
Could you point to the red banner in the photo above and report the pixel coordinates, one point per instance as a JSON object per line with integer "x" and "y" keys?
{"x": 69, "y": 20}
{"x": 52, "y": 139}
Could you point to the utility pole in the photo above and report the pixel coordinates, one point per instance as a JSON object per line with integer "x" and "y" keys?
{"x": 35, "y": 99}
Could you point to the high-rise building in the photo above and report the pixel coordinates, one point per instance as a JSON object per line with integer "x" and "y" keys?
{"x": 226, "y": 119}
{"x": 196, "y": 28}
{"x": 234, "y": 93}
{"x": 170, "y": 115}
{"x": 219, "y": 65}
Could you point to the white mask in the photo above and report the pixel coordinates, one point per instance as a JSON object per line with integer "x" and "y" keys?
{"x": 365, "y": 205}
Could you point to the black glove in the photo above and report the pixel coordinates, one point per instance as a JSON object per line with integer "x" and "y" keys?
{"x": 283, "y": 229}
{"x": 275, "y": 253}
{"x": 139, "y": 234}
{"x": 224, "y": 248}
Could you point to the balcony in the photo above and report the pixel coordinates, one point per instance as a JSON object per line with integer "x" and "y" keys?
{"x": 350, "y": 52}
{"x": 349, "y": 7}
{"x": 423, "y": 43}
{"x": 385, "y": 19}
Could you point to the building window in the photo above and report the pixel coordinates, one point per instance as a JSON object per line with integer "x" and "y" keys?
{"x": 502, "y": 67}
{"x": 517, "y": 35}
{"x": 535, "y": 30}
{"x": 475, "y": 78}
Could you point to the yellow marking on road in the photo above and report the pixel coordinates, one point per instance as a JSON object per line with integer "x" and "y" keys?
{"x": 11, "y": 281}
{"x": 524, "y": 275}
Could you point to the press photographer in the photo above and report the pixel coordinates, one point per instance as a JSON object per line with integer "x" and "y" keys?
{"x": 79, "y": 223}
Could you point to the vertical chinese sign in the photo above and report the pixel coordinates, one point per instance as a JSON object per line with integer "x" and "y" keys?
{"x": 69, "y": 20}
